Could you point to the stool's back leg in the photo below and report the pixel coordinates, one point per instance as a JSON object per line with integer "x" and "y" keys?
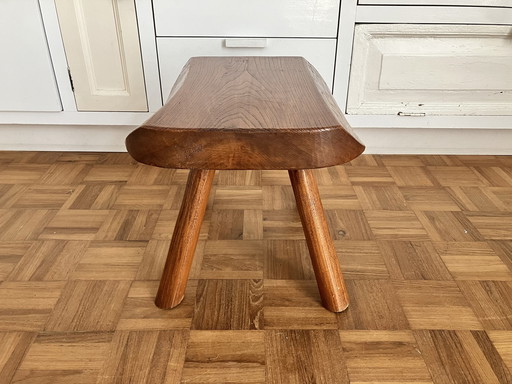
{"x": 321, "y": 248}
{"x": 184, "y": 239}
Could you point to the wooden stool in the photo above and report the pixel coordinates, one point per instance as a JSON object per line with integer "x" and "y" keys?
{"x": 248, "y": 113}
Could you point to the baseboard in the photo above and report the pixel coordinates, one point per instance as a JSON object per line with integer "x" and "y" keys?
{"x": 377, "y": 140}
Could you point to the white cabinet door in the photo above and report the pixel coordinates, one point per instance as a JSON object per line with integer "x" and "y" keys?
{"x": 478, "y": 3}
{"x": 173, "y": 53}
{"x": 257, "y": 18}
{"x": 431, "y": 69}
{"x": 102, "y": 48}
{"x": 27, "y": 81}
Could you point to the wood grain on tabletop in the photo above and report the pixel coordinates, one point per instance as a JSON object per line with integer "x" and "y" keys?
{"x": 246, "y": 113}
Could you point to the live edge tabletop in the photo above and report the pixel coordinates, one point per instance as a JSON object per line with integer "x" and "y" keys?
{"x": 246, "y": 113}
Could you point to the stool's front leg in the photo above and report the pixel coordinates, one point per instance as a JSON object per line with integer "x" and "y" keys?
{"x": 321, "y": 248}
{"x": 184, "y": 239}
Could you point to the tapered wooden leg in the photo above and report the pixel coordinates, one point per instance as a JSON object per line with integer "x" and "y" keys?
{"x": 321, "y": 248}
{"x": 184, "y": 239}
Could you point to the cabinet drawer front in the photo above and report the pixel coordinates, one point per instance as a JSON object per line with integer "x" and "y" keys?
{"x": 468, "y": 3}
{"x": 265, "y": 18}
{"x": 431, "y": 69}
{"x": 173, "y": 53}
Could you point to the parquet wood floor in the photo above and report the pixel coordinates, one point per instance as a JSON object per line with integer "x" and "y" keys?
{"x": 425, "y": 243}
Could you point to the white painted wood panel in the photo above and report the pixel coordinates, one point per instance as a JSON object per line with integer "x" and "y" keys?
{"x": 173, "y": 53}
{"x": 27, "y": 81}
{"x": 102, "y": 48}
{"x": 477, "y": 3}
{"x": 431, "y": 69}
{"x": 261, "y": 18}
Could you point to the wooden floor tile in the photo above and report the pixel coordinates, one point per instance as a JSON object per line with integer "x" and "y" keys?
{"x": 396, "y": 225}
{"x": 412, "y": 176}
{"x": 88, "y": 306}
{"x": 225, "y": 357}
{"x": 299, "y": 318}
{"x": 93, "y": 196}
{"x": 24, "y": 224}
{"x": 26, "y": 306}
{"x": 413, "y": 260}
{"x": 305, "y": 356}
{"x": 373, "y": 305}
{"x": 232, "y": 259}
{"x": 476, "y": 199}
{"x": 282, "y": 225}
{"x": 44, "y": 197}
{"x": 383, "y": 357}
{"x": 153, "y": 260}
{"x": 10, "y": 193}
{"x": 331, "y": 176}
{"x": 369, "y": 176}
{"x": 402, "y": 161}
{"x": 502, "y": 341}
{"x": 22, "y": 173}
{"x": 14, "y": 346}
{"x": 492, "y": 225}
{"x": 291, "y": 293}
{"x": 491, "y": 301}
{"x": 226, "y": 224}
{"x": 504, "y": 251}
{"x": 361, "y": 260}
{"x": 339, "y": 197}
{"x": 448, "y": 226}
{"x": 287, "y": 259}
{"x": 478, "y": 360}
{"x": 147, "y": 175}
{"x": 144, "y": 357}
{"x": 128, "y": 224}
{"x": 110, "y": 261}
{"x": 65, "y": 174}
{"x": 64, "y": 358}
{"x": 229, "y": 305}
{"x": 278, "y": 197}
{"x": 142, "y": 197}
{"x": 456, "y": 176}
{"x": 11, "y": 253}
{"x": 49, "y": 260}
{"x": 253, "y": 224}
{"x": 381, "y": 197}
{"x": 436, "y": 305}
{"x": 74, "y": 225}
{"x": 274, "y": 177}
{"x": 140, "y": 312}
{"x": 239, "y": 178}
{"x": 472, "y": 261}
{"x": 233, "y": 197}
{"x": 496, "y": 176}
{"x": 348, "y": 225}
{"x": 504, "y": 194}
{"x": 107, "y": 173}
{"x": 429, "y": 199}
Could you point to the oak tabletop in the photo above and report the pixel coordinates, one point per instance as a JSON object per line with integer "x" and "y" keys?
{"x": 245, "y": 113}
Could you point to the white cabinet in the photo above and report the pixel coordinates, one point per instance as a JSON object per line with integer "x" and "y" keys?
{"x": 261, "y": 18}
{"x": 27, "y": 81}
{"x": 305, "y": 28}
{"x": 431, "y": 70}
{"x": 102, "y": 48}
{"x": 174, "y": 53}
{"x": 478, "y": 3}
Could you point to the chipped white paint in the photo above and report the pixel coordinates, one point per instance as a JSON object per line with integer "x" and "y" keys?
{"x": 431, "y": 69}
